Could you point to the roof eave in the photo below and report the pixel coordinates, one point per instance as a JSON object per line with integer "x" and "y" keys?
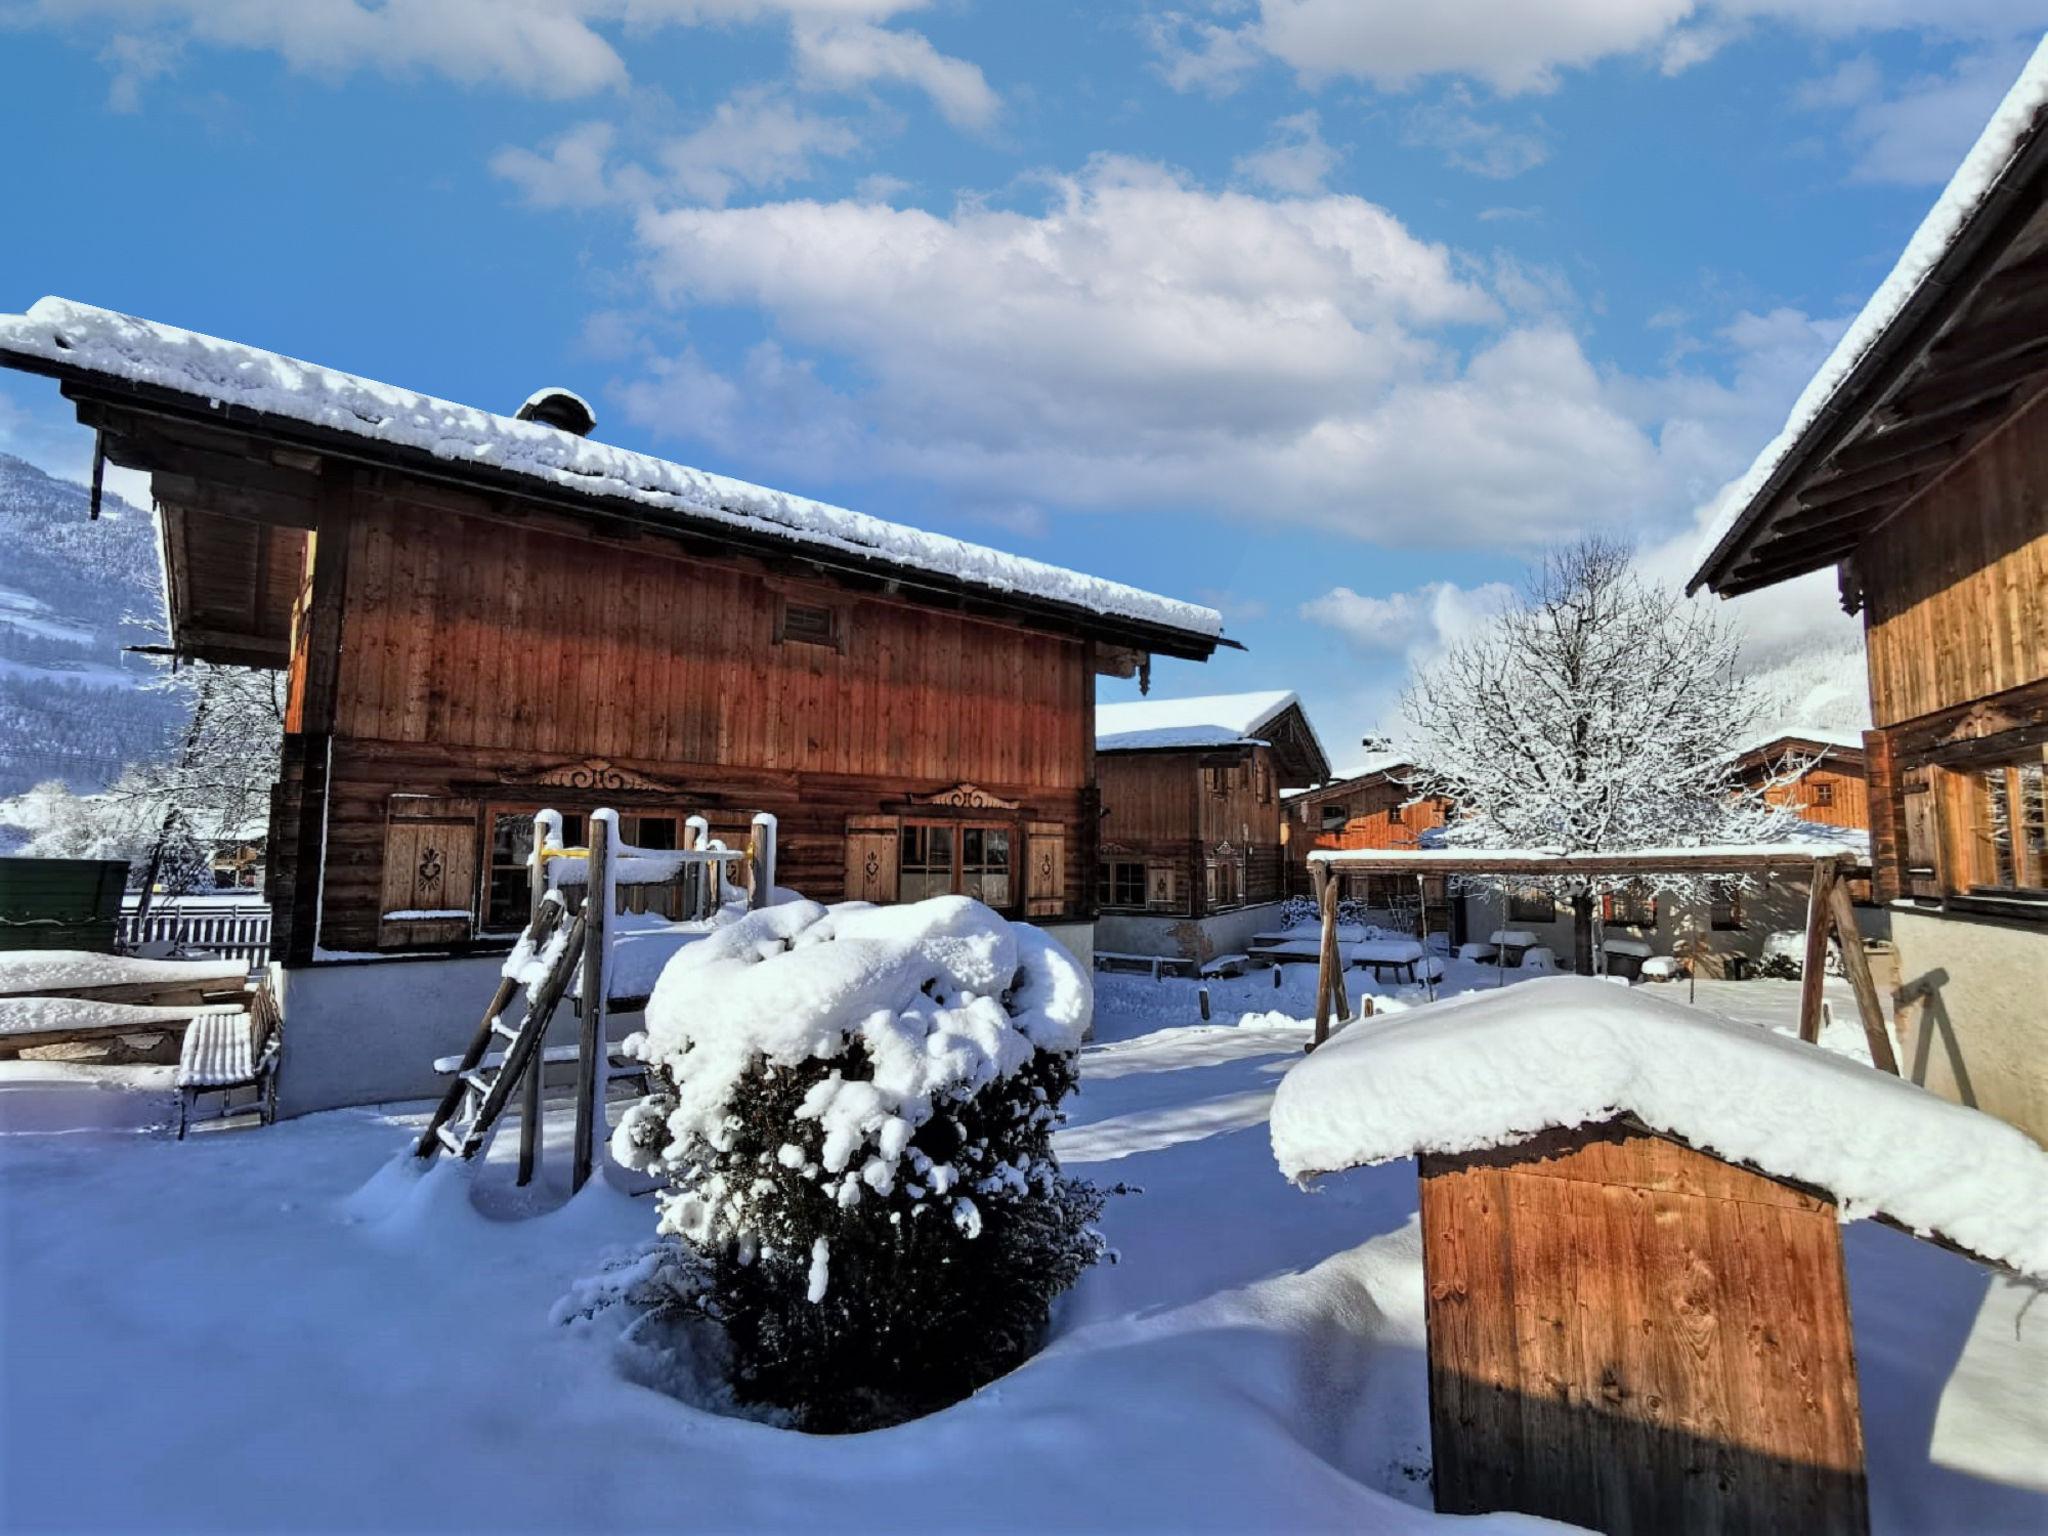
{"x": 1142, "y": 634}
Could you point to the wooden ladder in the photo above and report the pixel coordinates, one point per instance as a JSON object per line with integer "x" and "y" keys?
{"x": 483, "y": 1085}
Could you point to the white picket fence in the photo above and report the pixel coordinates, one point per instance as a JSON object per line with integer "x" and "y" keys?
{"x": 232, "y": 927}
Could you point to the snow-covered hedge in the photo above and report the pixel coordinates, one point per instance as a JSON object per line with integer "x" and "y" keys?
{"x": 854, "y": 1118}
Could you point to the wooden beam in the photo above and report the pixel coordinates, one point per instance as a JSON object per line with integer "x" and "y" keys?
{"x": 1819, "y": 915}
{"x": 1882, "y": 476}
{"x": 1856, "y": 964}
{"x": 1781, "y": 859}
{"x": 1326, "y": 903}
{"x": 593, "y": 1059}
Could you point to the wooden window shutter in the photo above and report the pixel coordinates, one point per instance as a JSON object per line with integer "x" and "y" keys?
{"x": 429, "y": 866}
{"x": 871, "y": 843}
{"x": 1045, "y": 878}
{"x": 1607, "y": 907}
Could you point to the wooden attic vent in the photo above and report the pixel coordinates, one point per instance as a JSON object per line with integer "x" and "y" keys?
{"x": 803, "y": 622}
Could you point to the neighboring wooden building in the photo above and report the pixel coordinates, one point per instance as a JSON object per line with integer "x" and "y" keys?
{"x": 1829, "y": 787}
{"x": 1375, "y": 806}
{"x": 481, "y": 616}
{"x": 1917, "y": 466}
{"x": 1192, "y": 860}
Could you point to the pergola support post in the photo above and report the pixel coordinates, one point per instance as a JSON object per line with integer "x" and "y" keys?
{"x": 1819, "y": 914}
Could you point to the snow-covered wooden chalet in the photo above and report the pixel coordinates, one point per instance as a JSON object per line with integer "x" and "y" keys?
{"x": 1916, "y": 465}
{"x": 483, "y": 615}
{"x": 1192, "y": 862}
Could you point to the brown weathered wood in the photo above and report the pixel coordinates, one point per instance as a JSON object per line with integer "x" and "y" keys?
{"x": 1326, "y": 955}
{"x": 592, "y": 1055}
{"x": 1820, "y": 916}
{"x": 1856, "y": 964}
{"x": 1628, "y": 1334}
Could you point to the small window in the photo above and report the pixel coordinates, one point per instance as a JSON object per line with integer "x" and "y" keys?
{"x": 1216, "y": 780}
{"x": 1262, "y": 779}
{"x": 924, "y": 864}
{"x": 801, "y": 623}
{"x": 1823, "y": 792}
{"x": 1336, "y": 814}
{"x": 1632, "y": 908}
{"x": 1223, "y": 884}
{"x": 1122, "y": 883}
{"x": 1394, "y": 815}
{"x": 510, "y": 895}
{"x": 985, "y": 865}
{"x": 1725, "y": 906}
{"x": 1531, "y": 906}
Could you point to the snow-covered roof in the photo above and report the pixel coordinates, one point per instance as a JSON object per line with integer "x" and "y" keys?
{"x": 1995, "y": 151}
{"x": 1821, "y": 843}
{"x": 82, "y": 339}
{"x": 1497, "y": 1067}
{"x": 1213, "y": 720}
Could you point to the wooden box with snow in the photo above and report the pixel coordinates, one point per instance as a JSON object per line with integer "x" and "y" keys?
{"x": 1636, "y": 1311}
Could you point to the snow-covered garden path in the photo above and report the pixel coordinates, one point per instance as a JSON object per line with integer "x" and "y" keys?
{"x": 236, "y": 1333}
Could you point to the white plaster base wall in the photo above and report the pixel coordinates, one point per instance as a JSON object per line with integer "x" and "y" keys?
{"x": 1978, "y": 1033}
{"x": 368, "y": 1033}
{"x": 1189, "y": 938}
{"x": 1079, "y": 939}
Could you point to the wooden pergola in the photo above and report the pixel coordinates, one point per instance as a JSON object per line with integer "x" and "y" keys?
{"x": 1829, "y": 911}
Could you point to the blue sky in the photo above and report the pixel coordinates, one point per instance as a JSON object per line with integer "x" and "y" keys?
{"x": 1325, "y": 311}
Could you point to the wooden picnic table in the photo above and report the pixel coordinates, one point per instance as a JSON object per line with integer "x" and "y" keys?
{"x": 122, "y": 978}
{"x": 1385, "y": 955}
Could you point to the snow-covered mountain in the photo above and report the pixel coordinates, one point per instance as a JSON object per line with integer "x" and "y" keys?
{"x": 73, "y": 704}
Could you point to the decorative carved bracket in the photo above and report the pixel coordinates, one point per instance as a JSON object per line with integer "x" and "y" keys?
{"x": 966, "y": 797}
{"x": 599, "y": 773}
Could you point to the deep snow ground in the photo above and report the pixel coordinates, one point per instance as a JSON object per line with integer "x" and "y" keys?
{"x": 235, "y": 1333}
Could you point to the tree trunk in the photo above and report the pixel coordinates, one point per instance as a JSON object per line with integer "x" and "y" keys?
{"x": 1582, "y": 932}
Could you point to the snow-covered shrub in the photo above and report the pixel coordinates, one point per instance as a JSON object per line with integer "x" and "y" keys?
{"x": 854, "y": 1117}
{"x": 1783, "y": 957}
{"x": 1302, "y": 912}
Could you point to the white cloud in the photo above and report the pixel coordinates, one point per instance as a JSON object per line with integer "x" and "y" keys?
{"x": 847, "y": 55}
{"x": 1471, "y": 143}
{"x": 1295, "y": 161}
{"x": 552, "y": 48}
{"x": 1516, "y": 46}
{"x": 1416, "y": 625}
{"x": 1143, "y": 341}
{"x": 755, "y": 138}
{"x": 1917, "y": 132}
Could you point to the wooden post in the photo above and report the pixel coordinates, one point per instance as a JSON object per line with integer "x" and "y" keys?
{"x": 593, "y": 1056}
{"x": 1819, "y": 914}
{"x": 1422, "y": 924}
{"x": 1857, "y": 964}
{"x": 1202, "y": 995}
{"x": 1319, "y": 879}
{"x": 761, "y": 860}
{"x": 547, "y": 827}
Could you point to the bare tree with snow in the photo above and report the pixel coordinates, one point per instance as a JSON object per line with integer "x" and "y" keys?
{"x": 1596, "y": 712}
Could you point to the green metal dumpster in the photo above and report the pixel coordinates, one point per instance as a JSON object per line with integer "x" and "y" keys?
{"x": 61, "y": 903}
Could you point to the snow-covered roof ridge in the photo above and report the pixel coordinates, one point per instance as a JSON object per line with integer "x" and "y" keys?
{"x": 1851, "y": 741}
{"x": 1821, "y": 842}
{"x": 1981, "y": 170}
{"x": 1206, "y": 720}
{"x": 1497, "y": 1067}
{"x": 224, "y": 373}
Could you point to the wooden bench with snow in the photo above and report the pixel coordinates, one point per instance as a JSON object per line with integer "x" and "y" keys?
{"x": 1225, "y": 965}
{"x": 30, "y": 1022}
{"x": 227, "y": 1049}
{"x": 1513, "y": 944}
{"x": 1631, "y": 1243}
{"x": 79, "y": 973}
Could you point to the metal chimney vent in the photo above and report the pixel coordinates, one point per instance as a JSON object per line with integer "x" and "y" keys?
{"x": 560, "y": 408}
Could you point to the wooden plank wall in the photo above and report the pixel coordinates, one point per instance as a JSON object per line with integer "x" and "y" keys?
{"x": 1630, "y": 1335}
{"x": 1956, "y": 587}
{"x": 1849, "y": 802}
{"x": 1160, "y": 808}
{"x": 476, "y": 654}
{"x": 462, "y": 631}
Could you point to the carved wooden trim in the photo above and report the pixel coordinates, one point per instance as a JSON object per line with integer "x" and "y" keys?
{"x": 967, "y": 797}
{"x": 597, "y": 773}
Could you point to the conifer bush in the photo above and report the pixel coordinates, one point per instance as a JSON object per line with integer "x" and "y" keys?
{"x": 854, "y": 1124}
